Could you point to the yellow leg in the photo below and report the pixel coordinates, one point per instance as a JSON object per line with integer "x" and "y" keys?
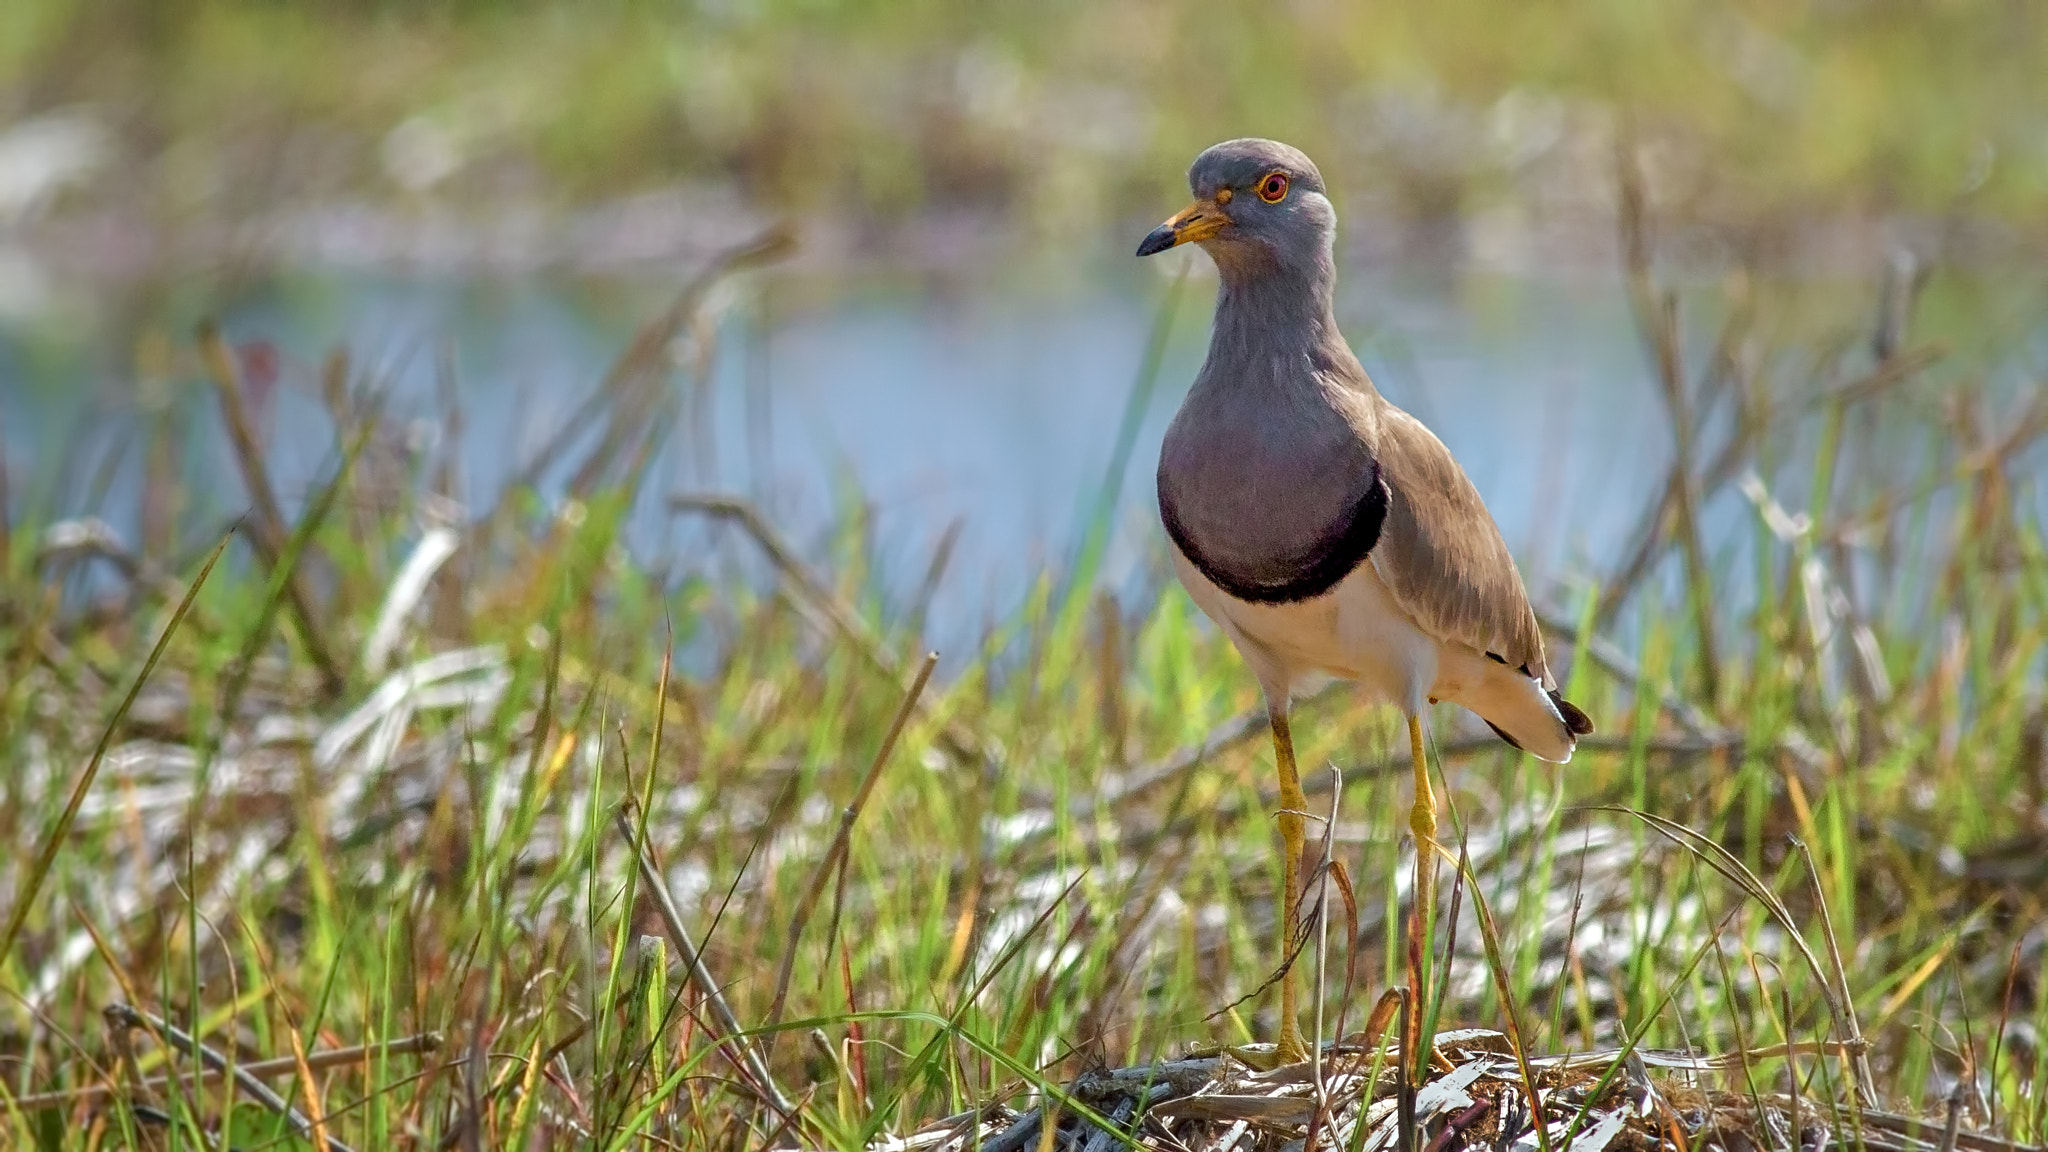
{"x": 1290, "y": 1049}
{"x": 1422, "y": 822}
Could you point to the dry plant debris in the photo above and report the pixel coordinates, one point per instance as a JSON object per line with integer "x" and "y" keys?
{"x": 1351, "y": 1098}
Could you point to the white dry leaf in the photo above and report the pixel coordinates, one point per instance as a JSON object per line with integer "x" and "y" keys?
{"x": 433, "y": 550}
{"x": 1444, "y": 1094}
{"x": 1786, "y": 526}
{"x": 1602, "y": 1133}
{"x": 400, "y": 689}
{"x": 467, "y": 678}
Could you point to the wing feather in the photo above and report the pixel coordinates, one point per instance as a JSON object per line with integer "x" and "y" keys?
{"x": 1441, "y": 554}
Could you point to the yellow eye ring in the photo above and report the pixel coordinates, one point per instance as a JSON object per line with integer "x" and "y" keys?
{"x": 1273, "y": 187}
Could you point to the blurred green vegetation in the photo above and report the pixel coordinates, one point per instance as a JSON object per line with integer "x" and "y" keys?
{"x": 1069, "y": 111}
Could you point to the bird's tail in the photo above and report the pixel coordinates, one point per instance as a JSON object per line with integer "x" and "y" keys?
{"x": 1523, "y": 712}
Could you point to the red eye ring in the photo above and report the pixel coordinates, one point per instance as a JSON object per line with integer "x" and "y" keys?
{"x": 1273, "y": 187}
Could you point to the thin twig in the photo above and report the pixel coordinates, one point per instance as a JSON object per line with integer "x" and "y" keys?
{"x": 1953, "y": 1128}
{"x": 127, "y": 1016}
{"x": 1721, "y": 860}
{"x": 1729, "y": 463}
{"x": 1859, "y": 1051}
{"x": 1018, "y": 1134}
{"x": 842, "y": 839}
{"x": 1657, "y": 315}
{"x": 1405, "y": 1085}
{"x": 54, "y": 839}
{"x": 1130, "y": 834}
{"x": 643, "y": 358}
{"x": 280, "y": 1066}
{"x": 1323, "y": 936}
{"x": 827, "y": 611}
{"x": 1239, "y": 730}
{"x": 1609, "y": 657}
{"x": 2012, "y": 972}
{"x": 693, "y": 959}
{"x": 1791, "y": 1065}
{"x": 1496, "y": 966}
{"x": 267, "y": 528}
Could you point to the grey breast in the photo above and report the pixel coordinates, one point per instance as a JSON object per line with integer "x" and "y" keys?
{"x": 1270, "y": 488}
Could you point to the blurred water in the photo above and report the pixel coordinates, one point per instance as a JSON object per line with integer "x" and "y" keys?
{"x": 972, "y": 399}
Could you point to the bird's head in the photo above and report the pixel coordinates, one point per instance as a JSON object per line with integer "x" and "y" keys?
{"x": 1258, "y": 204}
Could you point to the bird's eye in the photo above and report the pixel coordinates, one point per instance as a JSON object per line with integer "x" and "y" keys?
{"x": 1273, "y": 189}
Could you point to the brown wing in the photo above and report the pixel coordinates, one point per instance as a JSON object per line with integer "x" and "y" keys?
{"x": 1441, "y": 554}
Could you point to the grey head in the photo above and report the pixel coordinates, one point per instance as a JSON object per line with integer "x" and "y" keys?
{"x": 1260, "y": 209}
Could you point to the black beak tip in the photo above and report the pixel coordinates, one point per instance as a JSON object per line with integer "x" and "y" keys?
{"x": 1157, "y": 240}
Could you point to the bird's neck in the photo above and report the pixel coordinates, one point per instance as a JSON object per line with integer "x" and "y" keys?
{"x": 1261, "y": 311}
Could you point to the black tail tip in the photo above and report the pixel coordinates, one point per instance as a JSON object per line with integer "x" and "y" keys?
{"x": 1575, "y": 721}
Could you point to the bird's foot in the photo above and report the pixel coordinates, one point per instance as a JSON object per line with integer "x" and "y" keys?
{"x": 1290, "y": 1049}
{"x": 1257, "y": 1057}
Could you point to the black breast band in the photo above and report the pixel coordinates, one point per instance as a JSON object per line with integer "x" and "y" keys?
{"x": 1318, "y": 568}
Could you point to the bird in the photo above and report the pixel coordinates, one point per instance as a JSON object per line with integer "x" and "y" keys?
{"x": 1325, "y": 531}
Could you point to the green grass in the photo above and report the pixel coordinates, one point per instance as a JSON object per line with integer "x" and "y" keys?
{"x": 278, "y": 870}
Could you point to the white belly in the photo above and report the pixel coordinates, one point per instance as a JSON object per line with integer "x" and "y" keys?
{"x": 1357, "y": 632}
{"x": 1354, "y": 632}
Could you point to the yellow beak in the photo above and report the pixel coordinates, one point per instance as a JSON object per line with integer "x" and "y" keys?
{"x": 1194, "y": 223}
